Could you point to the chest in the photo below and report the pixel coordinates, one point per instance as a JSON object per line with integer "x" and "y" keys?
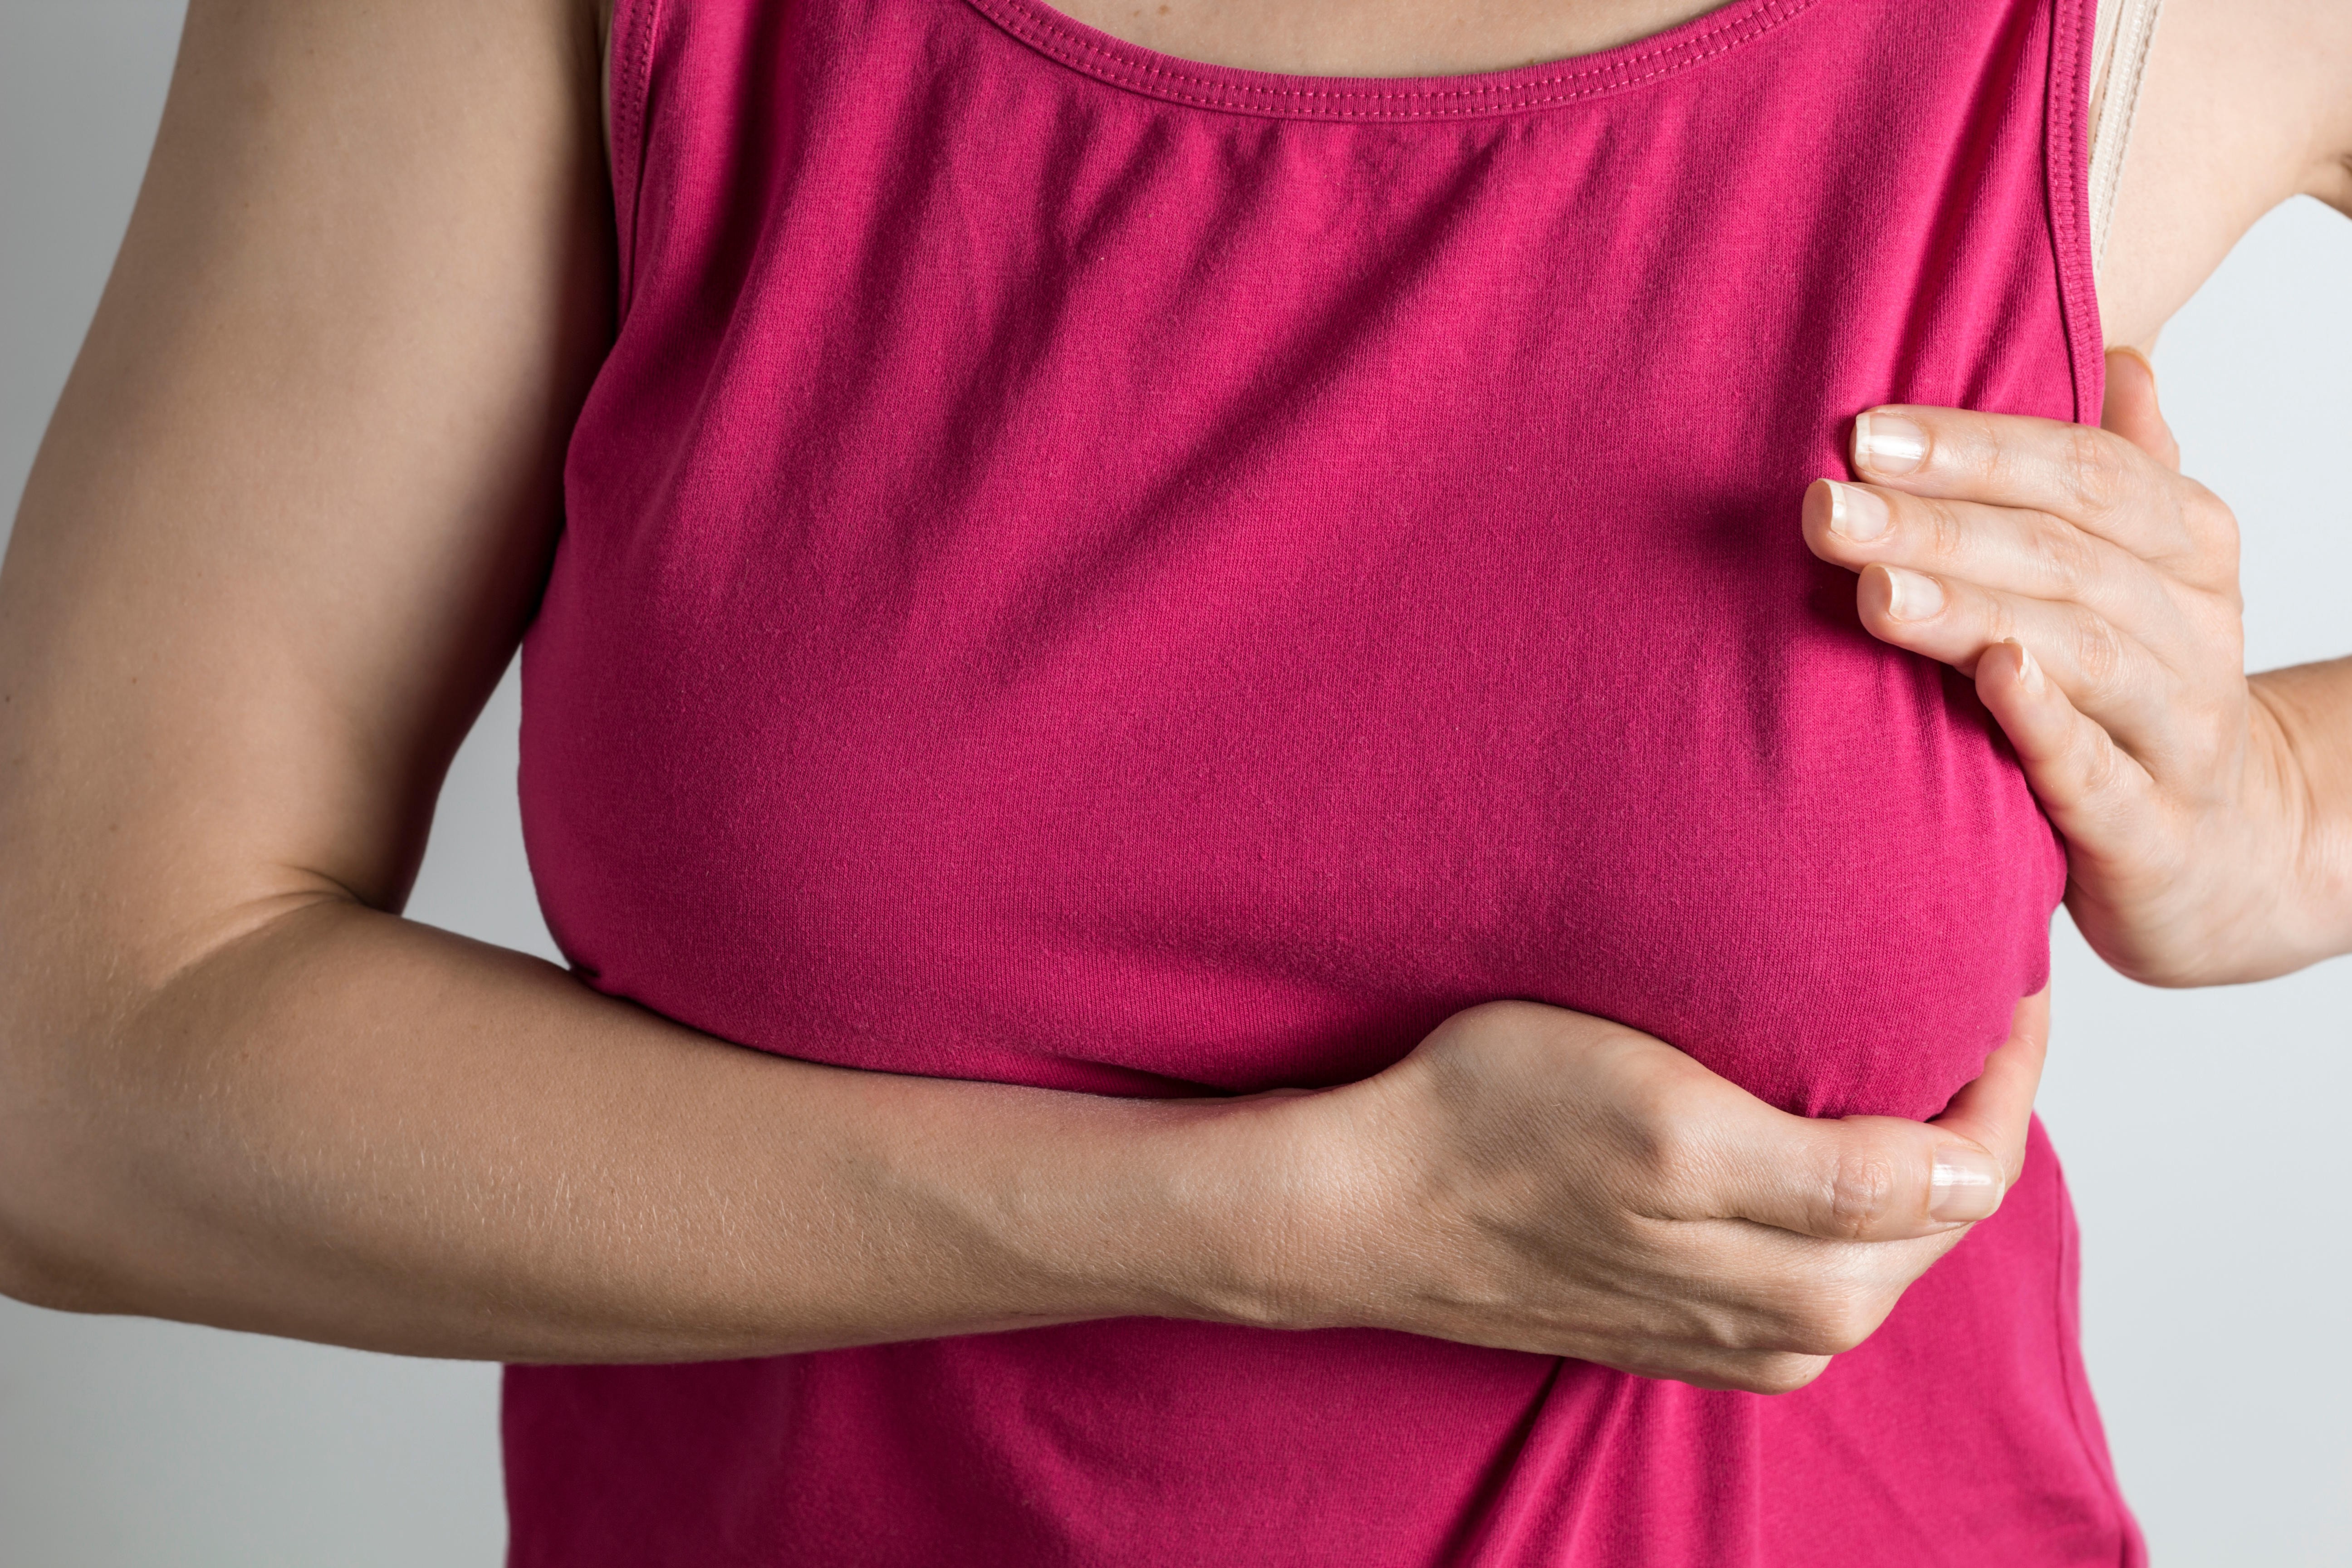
{"x": 1065, "y": 585}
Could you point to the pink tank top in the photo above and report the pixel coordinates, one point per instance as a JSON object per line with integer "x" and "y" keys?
{"x": 1089, "y": 570}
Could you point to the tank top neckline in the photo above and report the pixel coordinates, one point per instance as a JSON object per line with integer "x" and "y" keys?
{"x": 1279, "y": 95}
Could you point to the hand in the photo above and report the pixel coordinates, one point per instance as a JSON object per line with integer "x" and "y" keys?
{"x": 1541, "y": 1180}
{"x": 2091, "y": 592}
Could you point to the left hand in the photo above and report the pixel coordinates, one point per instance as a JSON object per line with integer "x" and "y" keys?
{"x": 2091, "y": 593}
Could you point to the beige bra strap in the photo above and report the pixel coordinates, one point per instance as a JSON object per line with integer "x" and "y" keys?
{"x": 2118, "y": 64}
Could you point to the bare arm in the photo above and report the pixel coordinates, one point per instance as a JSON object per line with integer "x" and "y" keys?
{"x": 284, "y": 531}
{"x": 2310, "y": 705}
{"x": 2248, "y": 104}
{"x": 2245, "y": 105}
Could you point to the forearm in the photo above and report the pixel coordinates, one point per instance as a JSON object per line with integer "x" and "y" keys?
{"x": 350, "y": 1128}
{"x": 2311, "y": 704}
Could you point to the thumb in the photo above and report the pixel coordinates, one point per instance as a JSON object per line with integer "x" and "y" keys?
{"x": 2131, "y": 410}
{"x": 1880, "y": 1178}
{"x": 1996, "y": 1109}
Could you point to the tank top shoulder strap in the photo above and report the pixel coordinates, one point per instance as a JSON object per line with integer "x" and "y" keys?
{"x": 628, "y": 78}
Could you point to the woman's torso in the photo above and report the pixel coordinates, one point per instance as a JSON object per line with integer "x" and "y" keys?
{"x": 1096, "y": 572}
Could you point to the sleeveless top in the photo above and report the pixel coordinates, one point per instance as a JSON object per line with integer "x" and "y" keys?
{"x": 1089, "y": 570}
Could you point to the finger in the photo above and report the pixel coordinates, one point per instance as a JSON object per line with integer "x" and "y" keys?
{"x": 2011, "y": 550}
{"x": 2091, "y": 478}
{"x": 1859, "y": 1178}
{"x": 1756, "y": 1372}
{"x": 2130, "y": 410}
{"x": 1803, "y": 1295}
{"x": 1724, "y": 1292}
{"x": 1747, "y": 1371}
{"x": 1880, "y": 1178}
{"x": 2107, "y": 675}
{"x": 1976, "y": 1149}
{"x": 2096, "y": 795}
{"x": 1995, "y": 1109}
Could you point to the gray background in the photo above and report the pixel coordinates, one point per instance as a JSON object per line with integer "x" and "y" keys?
{"x": 2202, "y": 1129}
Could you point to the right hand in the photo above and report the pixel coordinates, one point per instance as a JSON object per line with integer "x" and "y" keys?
{"x": 1545, "y": 1180}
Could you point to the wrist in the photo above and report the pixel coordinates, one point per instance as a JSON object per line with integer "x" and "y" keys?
{"x": 2307, "y": 712}
{"x": 1298, "y": 1214}
{"x": 2252, "y": 883}
{"x": 1279, "y": 1221}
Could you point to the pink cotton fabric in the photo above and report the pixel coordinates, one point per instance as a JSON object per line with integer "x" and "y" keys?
{"x": 1093, "y": 571}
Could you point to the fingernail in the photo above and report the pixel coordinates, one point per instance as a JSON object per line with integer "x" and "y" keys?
{"x": 2029, "y": 669}
{"x": 1911, "y": 596}
{"x": 1856, "y": 513}
{"x": 1966, "y": 1184}
{"x": 1888, "y": 443}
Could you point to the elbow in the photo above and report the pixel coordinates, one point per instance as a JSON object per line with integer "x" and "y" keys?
{"x": 39, "y": 1263}
{"x": 28, "y": 1275}
{"x": 33, "y": 1268}
{"x": 47, "y": 1256}
{"x": 94, "y": 1115}
{"x": 43, "y": 1233}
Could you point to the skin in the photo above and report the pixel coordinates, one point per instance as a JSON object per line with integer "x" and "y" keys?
{"x": 286, "y": 526}
{"x": 2093, "y": 592}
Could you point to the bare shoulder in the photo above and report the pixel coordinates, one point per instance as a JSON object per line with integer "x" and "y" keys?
{"x": 2245, "y": 104}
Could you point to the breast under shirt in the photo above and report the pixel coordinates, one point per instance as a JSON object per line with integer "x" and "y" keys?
{"x": 1087, "y": 570}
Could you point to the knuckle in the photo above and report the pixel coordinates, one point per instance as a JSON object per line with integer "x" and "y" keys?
{"x": 2100, "y": 657}
{"x": 1780, "y": 1373}
{"x": 1936, "y": 525}
{"x": 1835, "y": 1305}
{"x": 1999, "y": 620}
{"x": 2066, "y": 559}
{"x": 2207, "y": 515}
{"x": 2213, "y": 537}
{"x": 2093, "y": 472}
{"x": 1640, "y": 1144}
{"x": 1858, "y": 1193}
{"x": 1834, "y": 1323}
{"x": 2097, "y": 761}
{"x": 1672, "y": 1159}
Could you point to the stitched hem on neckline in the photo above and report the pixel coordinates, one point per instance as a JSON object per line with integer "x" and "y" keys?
{"x": 1269, "y": 94}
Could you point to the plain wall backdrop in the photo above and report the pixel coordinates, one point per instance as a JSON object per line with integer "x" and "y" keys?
{"x": 2203, "y": 1131}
